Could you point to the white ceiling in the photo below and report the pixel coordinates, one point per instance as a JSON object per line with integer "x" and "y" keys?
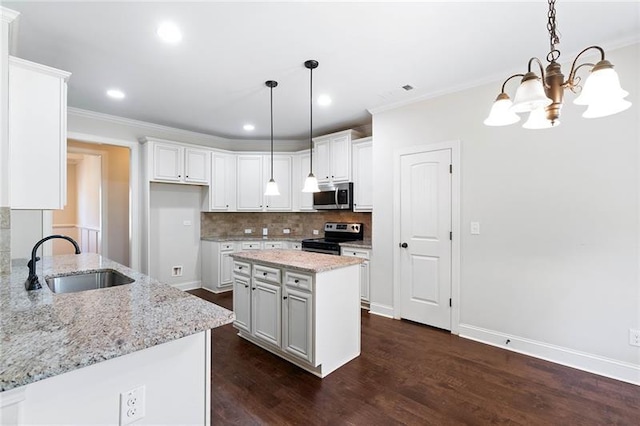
{"x": 213, "y": 81}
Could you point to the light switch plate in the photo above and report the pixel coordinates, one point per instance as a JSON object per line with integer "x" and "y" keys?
{"x": 475, "y": 228}
{"x": 265, "y": 231}
{"x": 286, "y": 231}
{"x": 247, "y": 231}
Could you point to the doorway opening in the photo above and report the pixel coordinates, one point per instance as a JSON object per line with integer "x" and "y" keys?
{"x": 97, "y": 214}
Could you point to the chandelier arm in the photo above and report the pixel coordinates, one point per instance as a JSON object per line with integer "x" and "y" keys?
{"x": 541, "y": 68}
{"x": 574, "y": 69}
{"x": 507, "y": 80}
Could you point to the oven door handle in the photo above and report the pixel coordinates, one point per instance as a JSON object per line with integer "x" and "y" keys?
{"x": 336, "y": 196}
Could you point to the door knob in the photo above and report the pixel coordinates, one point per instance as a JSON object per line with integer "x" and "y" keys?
{"x": 404, "y": 245}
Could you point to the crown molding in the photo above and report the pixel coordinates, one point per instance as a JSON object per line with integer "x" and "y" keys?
{"x": 39, "y": 67}
{"x": 7, "y": 15}
{"x": 618, "y": 44}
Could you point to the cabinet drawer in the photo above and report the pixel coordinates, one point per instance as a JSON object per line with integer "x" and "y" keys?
{"x": 363, "y": 254}
{"x": 241, "y": 268}
{"x": 266, "y": 273}
{"x": 251, "y": 245}
{"x": 273, "y": 245}
{"x": 297, "y": 280}
{"x": 226, "y": 246}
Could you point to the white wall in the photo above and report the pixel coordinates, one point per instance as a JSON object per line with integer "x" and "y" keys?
{"x": 65, "y": 220}
{"x": 172, "y": 243}
{"x": 557, "y": 261}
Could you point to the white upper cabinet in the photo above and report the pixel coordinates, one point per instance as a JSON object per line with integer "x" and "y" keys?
{"x": 282, "y": 171}
{"x": 303, "y": 201}
{"x": 332, "y": 159}
{"x": 250, "y": 185}
{"x": 173, "y": 162}
{"x": 363, "y": 175}
{"x": 254, "y": 171}
{"x": 37, "y": 135}
{"x": 222, "y": 190}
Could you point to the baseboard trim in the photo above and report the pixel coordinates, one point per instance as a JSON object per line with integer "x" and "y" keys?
{"x": 602, "y": 366}
{"x": 382, "y": 310}
{"x": 192, "y": 285}
{"x": 222, "y": 290}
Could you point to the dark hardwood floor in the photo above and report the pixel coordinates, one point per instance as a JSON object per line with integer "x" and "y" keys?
{"x": 409, "y": 374}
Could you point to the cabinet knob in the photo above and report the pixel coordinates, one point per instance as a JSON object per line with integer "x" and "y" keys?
{"x": 253, "y": 288}
{"x": 239, "y": 267}
{"x": 404, "y": 245}
{"x": 187, "y": 176}
{"x": 246, "y": 286}
{"x": 284, "y": 298}
{"x": 179, "y": 175}
{"x": 264, "y": 273}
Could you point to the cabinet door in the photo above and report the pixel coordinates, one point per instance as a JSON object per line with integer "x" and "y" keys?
{"x": 282, "y": 169}
{"x": 297, "y": 324}
{"x": 266, "y": 312}
{"x": 321, "y": 160}
{"x": 226, "y": 268}
{"x": 37, "y": 136}
{"x": 306, "y": 198}
{"x": 364, "y": 281}
{"x": 362, "y": 176}
{"x": 222, "y": 188}
{"x": 250, "y": 185}
{"x": 196, "y": 168}
{"x": 340, "y": 159}
{"x": 242, "y": 302}
{"x": 167, "y": 162}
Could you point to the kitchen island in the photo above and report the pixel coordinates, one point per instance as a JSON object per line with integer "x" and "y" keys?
{"x": 67, "y": 358}
{"x": 301, "y": 306}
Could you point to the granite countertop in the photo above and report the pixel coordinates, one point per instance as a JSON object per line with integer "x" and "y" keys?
{"x": 295, "y": 259}
{"x": 254, "y": 238}
{"x": 363, "y": 244}
{"x": 43, "y": 334}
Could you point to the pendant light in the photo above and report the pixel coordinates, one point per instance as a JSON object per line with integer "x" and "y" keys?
{"x": 311, "y": 183}
{"x": 542, "y": 97}
{"x": 272, "y": 186}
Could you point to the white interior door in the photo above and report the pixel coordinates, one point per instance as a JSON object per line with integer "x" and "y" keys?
{"x": 425, "y": 232}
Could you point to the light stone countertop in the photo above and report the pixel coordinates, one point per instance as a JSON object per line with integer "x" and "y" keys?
{"x": 43, "y": 334}
{"x": 295, "y": 259}
{"x": 363, "y": 244}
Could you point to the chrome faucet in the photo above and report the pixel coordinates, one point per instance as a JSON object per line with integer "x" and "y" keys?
{"x": 33, "y": 283}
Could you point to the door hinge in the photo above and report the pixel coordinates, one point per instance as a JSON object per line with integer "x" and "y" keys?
{"x": 450, "y": 235}
{"x": 450, "y": 168}
{"x": 450, "y": 302}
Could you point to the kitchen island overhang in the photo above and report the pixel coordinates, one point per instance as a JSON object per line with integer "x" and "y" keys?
{"x": 301, "y": 306}
{"x": 105, "y": 341}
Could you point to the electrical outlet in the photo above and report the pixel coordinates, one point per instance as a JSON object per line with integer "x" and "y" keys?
{"x": 247, "y": 231}
{"x": 475, "y": 228}
{"x": 634, "y": 337}
{"x": 265, "y": 231}
{"x": 186, "y": 222}
{"x": 316, "y": 232}
{"x": 132, "y": 405}
{"x": 286, "y": 231}
{"x": 176, "y": 271}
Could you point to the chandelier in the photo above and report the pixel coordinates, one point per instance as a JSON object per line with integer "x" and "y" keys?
{"x": 542, "y": 97}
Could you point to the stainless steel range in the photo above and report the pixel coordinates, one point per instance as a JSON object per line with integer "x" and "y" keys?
{"x": 334, "y": 234}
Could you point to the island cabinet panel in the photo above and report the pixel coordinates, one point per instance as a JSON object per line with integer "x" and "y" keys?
{"x": 242, "y": 299}
{"x": 297, "y": 311}
{"x": 266, "y": 316}
{"x": 310, "y": 318}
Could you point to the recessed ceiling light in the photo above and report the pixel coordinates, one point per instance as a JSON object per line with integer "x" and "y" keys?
{"x": 115, "y": 94}
{"x": 249, "y": 127}
{"x": 324, "y": 100}
{"x": 169, "y": 32}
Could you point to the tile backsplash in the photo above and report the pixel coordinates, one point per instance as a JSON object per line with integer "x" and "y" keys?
{"x": 300, "y": 224}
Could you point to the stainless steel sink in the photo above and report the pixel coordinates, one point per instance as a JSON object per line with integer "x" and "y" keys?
{"x": 87, "y": 281}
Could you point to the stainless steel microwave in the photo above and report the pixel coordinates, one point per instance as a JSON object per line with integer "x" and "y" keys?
{"x": 338, "y": 198}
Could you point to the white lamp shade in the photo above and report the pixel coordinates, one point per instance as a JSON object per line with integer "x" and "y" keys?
{"x": 272, "y": 188}
{"x": 603, "y": 86}
{"x": 538, "y": 120}
{"x": 311, "y": 184}
{"x": 501, "y": 114}
{"x": 529, "y": 96}
{"x": 605, "y": 108}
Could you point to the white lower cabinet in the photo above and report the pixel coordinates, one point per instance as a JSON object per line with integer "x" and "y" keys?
{"x": 242, "y": 295}
{"x": 364, "y": 269}
{"x": 311, "y": 320}
{"x": 217, "y": 265}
